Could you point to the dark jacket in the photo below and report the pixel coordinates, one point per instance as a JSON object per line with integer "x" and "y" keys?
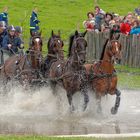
{"x": 34, "y": 22}
{"x": 14, "y": 41}
{"x": 4, "y": 17}
{"x": 2, "y": 35}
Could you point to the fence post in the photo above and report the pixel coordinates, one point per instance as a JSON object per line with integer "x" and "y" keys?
{"x": 130, "y": 47}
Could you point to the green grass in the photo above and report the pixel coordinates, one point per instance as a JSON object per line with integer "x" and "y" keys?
{"x": 128, "y": 77}
{"x": 64, "y": 15}
{"x": 57, "y": 138}
{"x": 67, "y": 16}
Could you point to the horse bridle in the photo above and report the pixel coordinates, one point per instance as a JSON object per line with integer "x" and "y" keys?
{"x": 110, "y": 46}
{"x": 75, "y": 51}
{"x": 57, "y": 39}
{"x": 36, "y": 53}
{"x": 34, "y": 37}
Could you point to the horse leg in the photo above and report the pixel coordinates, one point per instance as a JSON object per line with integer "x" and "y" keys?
{"x": 53, "y": 87}
{"x": 98, "y": 101}
{"x": 84, "y": 89}
{"x": 69, "y": 96}
{"x": 114, "y": 109}
{"x": 84, "y": 92}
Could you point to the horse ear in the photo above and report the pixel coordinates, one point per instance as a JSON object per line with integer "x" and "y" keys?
{"x": 31, "y": 33}
{"x": 40, "y": 33}
{"x": 76, "y": 33}
{"x": 52, "y": 33}
{"x": 83, "y": 34}
{"x": 59, "y": 32}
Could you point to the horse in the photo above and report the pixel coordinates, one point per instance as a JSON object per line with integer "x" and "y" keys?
{"x": 25, "y": 68}
{"x": 102, "y": 74}
{"x": 55, "y": 52}
{"x": 70, "y": 73}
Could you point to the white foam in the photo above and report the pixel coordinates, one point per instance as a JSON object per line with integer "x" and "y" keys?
{"x": 21, "y": 109}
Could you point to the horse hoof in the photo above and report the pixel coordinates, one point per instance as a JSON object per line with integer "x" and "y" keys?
{"x": 84, "y": 107}
{"x": 99, "y": 111}
{"x": 114, "y": 110}
{"x": 72, "y": 109}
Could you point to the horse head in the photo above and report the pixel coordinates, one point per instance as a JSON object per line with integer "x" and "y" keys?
{"x": 55, "y": 45}
{"x": 36, "y": 44}
{"x": 36, "y": 50}
{"x": 78, "y": 47}
{"x": 114, "y": 50}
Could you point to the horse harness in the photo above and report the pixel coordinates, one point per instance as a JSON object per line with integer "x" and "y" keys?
{"x": 20, "y": 72}
{"x": 94, "y": 76}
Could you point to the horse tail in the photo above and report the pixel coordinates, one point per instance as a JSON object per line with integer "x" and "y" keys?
{"x": 102, "y": 54}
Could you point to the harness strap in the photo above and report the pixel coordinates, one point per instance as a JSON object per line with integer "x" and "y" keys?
{"x": 52, "y": 55}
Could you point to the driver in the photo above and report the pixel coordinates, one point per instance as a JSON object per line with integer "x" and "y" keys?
{"x": 11, "y": 43}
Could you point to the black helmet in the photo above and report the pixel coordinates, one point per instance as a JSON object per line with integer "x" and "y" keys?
{"x": 11, "y": 28}
{"x": 2, "y": 24}
{"x": 18, "y": 29}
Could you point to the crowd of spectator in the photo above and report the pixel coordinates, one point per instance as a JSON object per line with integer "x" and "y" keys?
{"x": 101, "y": 21}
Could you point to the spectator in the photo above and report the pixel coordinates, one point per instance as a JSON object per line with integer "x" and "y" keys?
{"x": 18, "y": 34}
{"x": 3, "y": 32}
{"x": 125, "y": 27}
{"x": 135, "y": 28}
{"x": 34, "y": 27}
{"x": 99, "y": 16}
{"x": 137, "y": 11}
{"x": 4, "y": 16}
{"x": 106, "y": 25}
{"x": 10, "y": 42}
{"x": 90, "y": 22}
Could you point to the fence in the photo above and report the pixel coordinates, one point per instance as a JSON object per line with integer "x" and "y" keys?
{"x": 130, "y": 47}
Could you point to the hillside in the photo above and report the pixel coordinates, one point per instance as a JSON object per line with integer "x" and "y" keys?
{"x": 65, "y": 15}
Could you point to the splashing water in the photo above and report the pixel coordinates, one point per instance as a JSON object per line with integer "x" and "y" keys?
{"x": 40, "y": 112}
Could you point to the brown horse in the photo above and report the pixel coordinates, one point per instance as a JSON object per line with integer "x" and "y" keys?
{"x": 25, "y": 67}
{"x": 71, "y": 73}
{"x": 102, "y": 74}
{"x": 55, "y": 52}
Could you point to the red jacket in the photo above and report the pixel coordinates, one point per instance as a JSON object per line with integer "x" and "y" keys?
{"x": 125, "y": 28}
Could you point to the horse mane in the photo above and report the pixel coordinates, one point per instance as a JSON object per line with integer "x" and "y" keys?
{"x": 48, "y": 44}
{"x": 71, "y": 38}
{"x": 104, "y": 47}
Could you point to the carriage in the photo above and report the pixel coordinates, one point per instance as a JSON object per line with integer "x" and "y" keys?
{"x": 73, "y": 74}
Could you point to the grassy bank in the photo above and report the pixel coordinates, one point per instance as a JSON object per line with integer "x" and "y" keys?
{"x": 65, "y": 138}
{"x": 64, "y": 15}
{"x": 128, "y": 78}
{"x": 68, "y": 15}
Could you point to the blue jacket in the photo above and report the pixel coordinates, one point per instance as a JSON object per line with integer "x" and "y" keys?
{"x": 34, "y": 22}
{"x": 4, "y": 17}
{"x": 14, "y": 41}
{"x": 98, "y": 21}
{"x": 2, "y": 35}
{"x": 135, "y": 30}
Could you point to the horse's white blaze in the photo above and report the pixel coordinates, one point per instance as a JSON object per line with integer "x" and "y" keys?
{"x": 37, "y": 39}
{"x": 117, "y": 48}
{"x": 58, "y": 66}
{"x": 58, "y": 41}
{"x": 116, "y": 44}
